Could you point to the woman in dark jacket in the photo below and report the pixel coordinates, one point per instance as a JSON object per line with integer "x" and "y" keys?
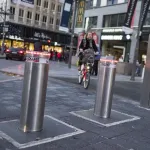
{"x": 86, "y": 43}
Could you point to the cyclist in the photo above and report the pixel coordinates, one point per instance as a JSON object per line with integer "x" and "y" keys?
{"x": 86, "y": 44}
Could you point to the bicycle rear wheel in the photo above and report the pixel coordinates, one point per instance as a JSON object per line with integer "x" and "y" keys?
{"x": 87, "y": 80}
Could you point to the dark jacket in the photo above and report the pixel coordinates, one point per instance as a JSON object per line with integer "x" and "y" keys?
{"x": 88, "y": 43}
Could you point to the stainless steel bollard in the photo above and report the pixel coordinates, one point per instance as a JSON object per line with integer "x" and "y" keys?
{"x": 34, "y": 91}
{"x": 104, "y": 93}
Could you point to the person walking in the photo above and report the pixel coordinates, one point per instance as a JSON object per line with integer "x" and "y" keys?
{"x": 97, "y": 58}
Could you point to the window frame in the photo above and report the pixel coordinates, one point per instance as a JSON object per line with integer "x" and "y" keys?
{"x": 21, "y": 12}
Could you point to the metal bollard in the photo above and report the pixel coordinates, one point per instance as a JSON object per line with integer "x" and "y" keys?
{"x": 34, "y": 91}
{"x": 104, "y": 94}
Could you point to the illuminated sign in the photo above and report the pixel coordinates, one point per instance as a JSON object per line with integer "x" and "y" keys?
{"x": 112, "y": 30}
{"x": 112, "y": 37}
{"x": 115, "y": 37}
{"x": 80, "y": 13}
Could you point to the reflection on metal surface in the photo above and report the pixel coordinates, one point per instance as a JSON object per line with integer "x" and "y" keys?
{"x": 105, "y": 85}
{"x": 34, "y": 95}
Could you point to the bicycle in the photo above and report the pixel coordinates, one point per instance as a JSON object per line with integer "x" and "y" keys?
{"x": 85, "y": 73}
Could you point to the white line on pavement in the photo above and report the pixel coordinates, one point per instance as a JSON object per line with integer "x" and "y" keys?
{"x": 1, "y": 81}
{"x": 109, "y": 124}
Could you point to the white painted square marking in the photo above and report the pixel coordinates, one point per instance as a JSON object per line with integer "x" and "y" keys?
{"x": 46, "y": 140}
{"x": 109, "y": 124}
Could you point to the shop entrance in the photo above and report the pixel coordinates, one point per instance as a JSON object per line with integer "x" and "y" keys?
{"x": 114, "y": 48}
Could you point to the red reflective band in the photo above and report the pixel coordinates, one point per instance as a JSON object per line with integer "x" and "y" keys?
{"x": 38, "y": 53}
{"x": 106, "y": 60}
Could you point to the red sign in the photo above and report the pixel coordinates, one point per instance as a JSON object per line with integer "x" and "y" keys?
{"x": 80, "y": 37}
{"x": 132, "y": 22}
{"x": 95, "y": 37}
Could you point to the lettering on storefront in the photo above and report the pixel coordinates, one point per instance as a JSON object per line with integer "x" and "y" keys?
{"x": 80, "y": 13}
{"x": 41, "y": 35}
{"x": 112, "y": 30}
{"x": 112, "y": 37}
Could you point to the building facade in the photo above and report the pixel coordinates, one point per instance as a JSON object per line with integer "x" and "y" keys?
{"x": 106, "y": 18}
{"x": 40, "y": 22}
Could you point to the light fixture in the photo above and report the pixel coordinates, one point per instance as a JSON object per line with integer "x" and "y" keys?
{"x": 128, "y": 37}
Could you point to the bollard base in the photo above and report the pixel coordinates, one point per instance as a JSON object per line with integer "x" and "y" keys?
{"x": 25, "y": 130}
{"x": 53, "y": 129}
{"x": 115, "y": 119}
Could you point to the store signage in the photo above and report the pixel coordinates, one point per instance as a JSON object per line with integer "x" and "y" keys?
{"x": 129, "y": 16}
{"x": 15, "y": 38}
{"x": 115, "y": 37}
{"x": 144, "y": 12}
{"x": 80, "y": 13}
{"x": 27, "y": 3}
{"x": 41, "y": 35}
{"x": 66, "y": 16}
{"x": 111, "y": 37}
{"x": 112, "y": 30}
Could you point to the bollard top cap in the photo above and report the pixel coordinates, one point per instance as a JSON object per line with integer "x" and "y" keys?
{"x": 108, "y": 61}
{"x": 38, "y": 54}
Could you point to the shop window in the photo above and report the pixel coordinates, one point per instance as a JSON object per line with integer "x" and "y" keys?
{"x": 59, "y": 8}
{"x": 44, "y": 19}
{"x": 45, "y": 4}
{"x": 51, "y": 20}
{"x": 12, "y": 10}
{"x": 17, "y": 44}
{"x": 53, "y": 6}
{"x": 57, "y": 22}
{"x": 29, "y": 15}
{"x": 37, "y": 17}
{"x": 21, "y": 12}
{"x": 38, "y": 3}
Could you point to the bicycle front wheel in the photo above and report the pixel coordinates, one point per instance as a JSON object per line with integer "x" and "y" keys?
{"x": 87, "y": 80}
{"x": 80, "y": 77}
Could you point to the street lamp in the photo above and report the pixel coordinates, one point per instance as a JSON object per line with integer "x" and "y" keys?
{"x": 137, "y": 43}
{"x": 72, "y": 33}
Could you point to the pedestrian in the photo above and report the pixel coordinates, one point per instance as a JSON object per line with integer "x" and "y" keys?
{"x": 137, "y": 68}
{"x": 58, "y": 56}
{"x": 55, "y": 55}
{"x": 97, "y": 58}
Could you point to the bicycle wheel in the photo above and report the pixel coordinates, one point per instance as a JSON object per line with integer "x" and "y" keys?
{"x": 80, "y": 77}
{"x": 87, "y": 80}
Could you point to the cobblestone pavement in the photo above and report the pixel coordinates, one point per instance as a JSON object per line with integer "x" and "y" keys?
{"x": 62, "y": 98}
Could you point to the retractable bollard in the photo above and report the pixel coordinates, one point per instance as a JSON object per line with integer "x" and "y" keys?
{"x": 106, "y": 79}
{"x": 34, "y": 91}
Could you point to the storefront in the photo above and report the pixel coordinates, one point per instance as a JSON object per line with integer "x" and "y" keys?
{"x": 25, "y": 37}
{"x": 114, "y": 42}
